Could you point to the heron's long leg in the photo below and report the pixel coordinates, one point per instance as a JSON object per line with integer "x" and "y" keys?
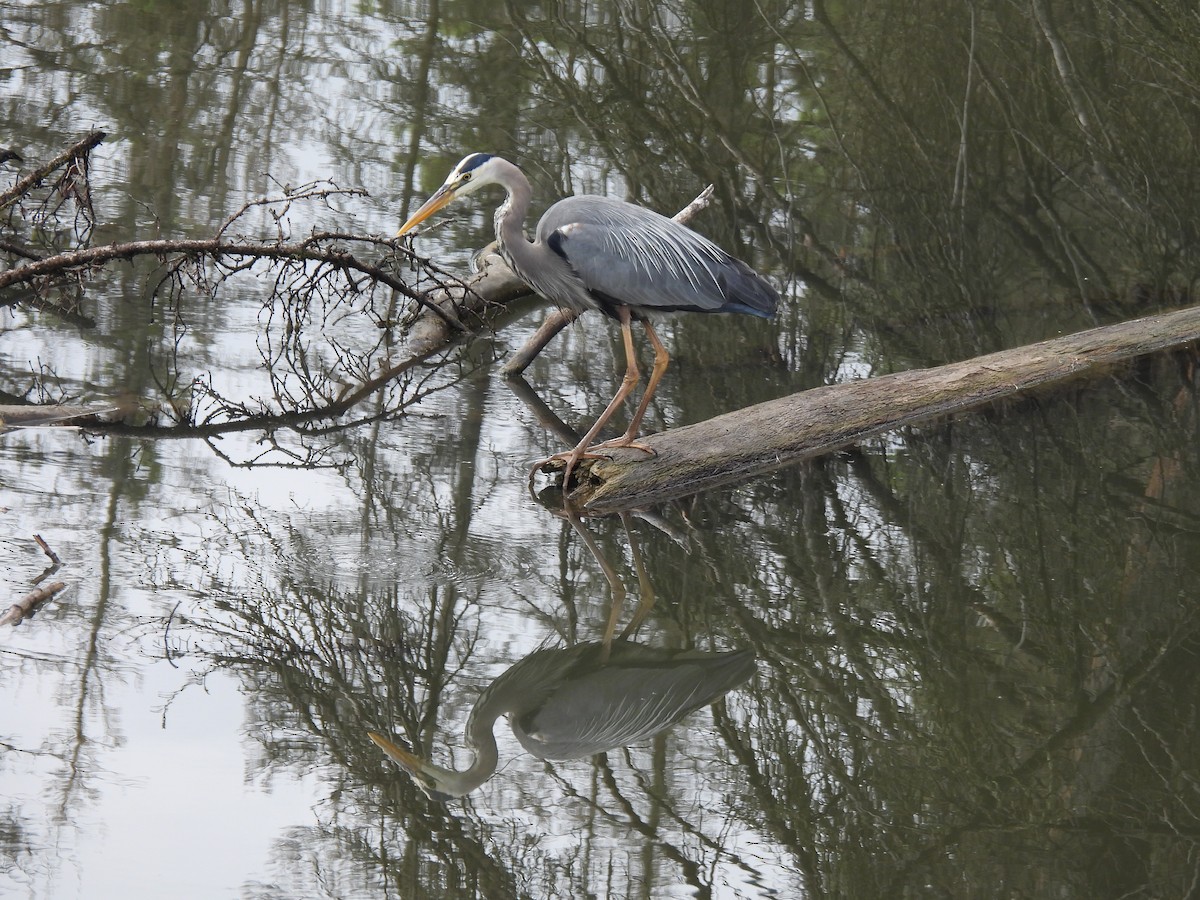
{"x": 614, "y": 583}
{"x": 661, "y": 360}
{"x": 645, "y": 586}
{"x": 628, "y": 383}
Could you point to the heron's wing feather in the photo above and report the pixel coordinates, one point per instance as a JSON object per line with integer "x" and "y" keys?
{"x": 630, "y": 255}
{"x": 616, "y": 705}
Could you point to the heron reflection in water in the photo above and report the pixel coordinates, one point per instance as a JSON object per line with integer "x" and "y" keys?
{"x": 600, "y": 253}
{"x": 579, "y": 701}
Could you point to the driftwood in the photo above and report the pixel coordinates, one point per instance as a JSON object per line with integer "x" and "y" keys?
{"x": 55, "y": 562}
{"x": 26, "y": 606}
{"x": 768, "y": 436}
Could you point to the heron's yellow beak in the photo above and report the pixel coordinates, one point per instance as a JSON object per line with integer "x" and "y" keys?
{"x": 410, "y": 762}
{"x": 444, "y": 195}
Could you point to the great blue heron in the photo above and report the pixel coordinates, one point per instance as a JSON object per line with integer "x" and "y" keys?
{"x": 625, "y": 261}
{"x": 571, "y": 703}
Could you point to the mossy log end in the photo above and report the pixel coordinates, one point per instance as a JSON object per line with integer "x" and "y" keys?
{"x": 761, "y": 438}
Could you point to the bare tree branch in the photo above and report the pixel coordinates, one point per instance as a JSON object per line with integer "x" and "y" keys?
{"x": 73, "y": 261}
{"x": 76, "y": 151}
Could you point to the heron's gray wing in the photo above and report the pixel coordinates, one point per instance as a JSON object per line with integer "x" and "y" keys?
{"x": 616, "y": 705}
{"x": 630, "y": 255}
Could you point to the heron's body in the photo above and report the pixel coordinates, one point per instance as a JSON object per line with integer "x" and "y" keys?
{"x": 569, "y": 704}
{"x": 624, "y": 260}
{"x": 604, "y": 254}
{"x": 583, "y": 700}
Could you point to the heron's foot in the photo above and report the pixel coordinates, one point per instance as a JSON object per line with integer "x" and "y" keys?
{"x": 568, "y": 459}
{"x": 623, "y": 442}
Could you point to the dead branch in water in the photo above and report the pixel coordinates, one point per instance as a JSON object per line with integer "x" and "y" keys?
{"x": 230, "y": 253}
{"x": 26, "y": 606}
{"x": 41, "y": 542}
{"x": 35, "y": 414}
{"x": 74, "y": 158}
{"x": 315, "y": 280}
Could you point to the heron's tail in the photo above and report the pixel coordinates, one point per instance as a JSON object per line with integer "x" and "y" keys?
{"x": 747, "y": 292}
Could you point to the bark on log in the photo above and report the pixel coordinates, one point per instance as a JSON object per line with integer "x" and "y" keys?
{"x": 493, "y": 283}
{"x": 759, "y": 439}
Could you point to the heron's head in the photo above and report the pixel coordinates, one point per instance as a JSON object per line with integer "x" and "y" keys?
{"x": 472, "y": 173}
{"x": 435, "y": 782}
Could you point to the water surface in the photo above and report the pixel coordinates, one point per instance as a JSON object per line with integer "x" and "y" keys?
{"x": 976, "y": 641}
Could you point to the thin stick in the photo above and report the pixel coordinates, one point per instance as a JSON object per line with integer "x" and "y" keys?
{"x": 167, "y": 637}
{"x": 555, "y": 322}
{"x": 46, "y": 549}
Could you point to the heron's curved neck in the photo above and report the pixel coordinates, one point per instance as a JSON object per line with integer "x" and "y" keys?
{"x": 510, "y": 217}
{"x": 481, "y": 740}
{"x": 483, "y": 744}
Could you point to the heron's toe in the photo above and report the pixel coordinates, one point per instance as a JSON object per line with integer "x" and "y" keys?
{"x": 622, "y": 443}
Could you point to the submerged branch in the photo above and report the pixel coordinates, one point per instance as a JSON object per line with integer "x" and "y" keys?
{"x": 243, "y": 420}
{"x": 556, "y": 321}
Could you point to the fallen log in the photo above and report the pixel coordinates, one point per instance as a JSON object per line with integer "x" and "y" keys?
{"x": 492, "y": 283}
{"x": 759, "y": 439}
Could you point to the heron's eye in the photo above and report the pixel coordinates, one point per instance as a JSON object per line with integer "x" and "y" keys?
{"x": 466, "y": 176}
